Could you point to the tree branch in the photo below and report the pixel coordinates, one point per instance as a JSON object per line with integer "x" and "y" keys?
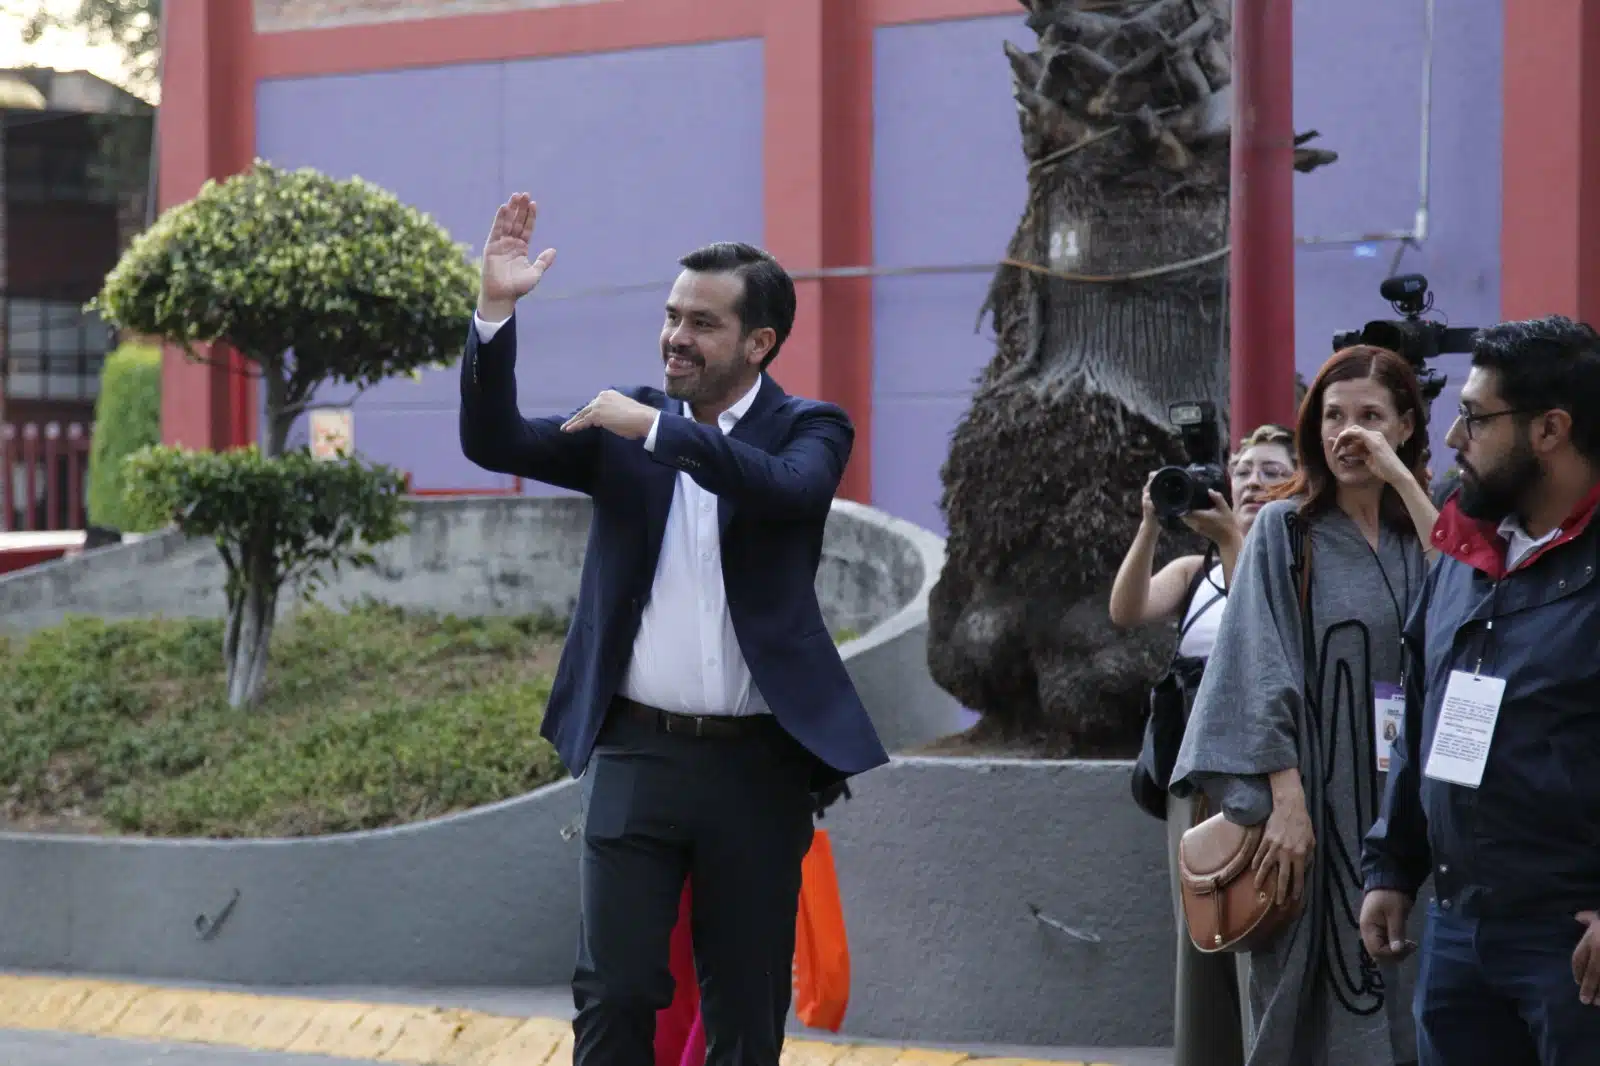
{"x": 1126, "y": 91}
{"x": 1191, "y": 81}
{"x": 294, "y": 410}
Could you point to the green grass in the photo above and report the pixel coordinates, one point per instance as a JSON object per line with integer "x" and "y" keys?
{"x": 371, "y": 718}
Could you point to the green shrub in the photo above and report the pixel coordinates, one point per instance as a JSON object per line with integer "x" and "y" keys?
{"x": 127, "y": 417}
{"x": 375, "y": 717}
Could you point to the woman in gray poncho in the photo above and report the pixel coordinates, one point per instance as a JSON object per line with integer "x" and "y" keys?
{"x": 1288, "y": 723}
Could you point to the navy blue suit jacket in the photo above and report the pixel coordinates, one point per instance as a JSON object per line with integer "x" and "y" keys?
{"x": 774, "y": 477}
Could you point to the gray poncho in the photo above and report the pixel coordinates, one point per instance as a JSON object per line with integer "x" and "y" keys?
{"x": 1316, "y": 997}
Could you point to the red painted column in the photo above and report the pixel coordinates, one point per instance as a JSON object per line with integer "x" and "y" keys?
{"x": 206, "y": 130}
{"x": 1261, "y": 218}
{"x": 1550, "y": 159}
{"x": 818, "y": 194}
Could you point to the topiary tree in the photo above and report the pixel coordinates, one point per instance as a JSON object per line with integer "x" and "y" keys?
{"x": 1111, "y": 306}
{"x": 275, "y": 521}
{"x": 314, "y": 281}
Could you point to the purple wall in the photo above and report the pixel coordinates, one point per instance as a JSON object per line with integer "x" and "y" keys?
{"x": 1358, "y": 79}
{"x": 635, "y": 157}
{"x": 949, "y": 186}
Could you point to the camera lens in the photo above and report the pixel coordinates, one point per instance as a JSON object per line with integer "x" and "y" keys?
{"x": 1171, "y": 491}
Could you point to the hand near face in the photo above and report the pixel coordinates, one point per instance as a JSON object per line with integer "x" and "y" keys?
{"x": 1374, "y": 450}
{"x": 614, "y": 412}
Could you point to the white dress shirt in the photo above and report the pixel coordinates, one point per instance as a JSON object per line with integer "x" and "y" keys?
{"x": 1519, "y": 545}
{"x": 686, "y": 657}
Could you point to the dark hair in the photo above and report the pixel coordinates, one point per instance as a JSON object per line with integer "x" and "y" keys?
{"x": 1547, "y": 364}
{"x": 1313, "y": 482}
{"x": 768, "y": 297}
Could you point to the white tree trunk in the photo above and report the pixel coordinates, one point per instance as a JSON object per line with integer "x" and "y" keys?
{"x": 249, "y": 634}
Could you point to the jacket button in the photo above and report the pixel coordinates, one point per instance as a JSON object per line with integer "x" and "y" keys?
{"x": 1561, "y": 584}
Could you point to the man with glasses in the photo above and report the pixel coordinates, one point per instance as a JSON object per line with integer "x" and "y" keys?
{"x": 1493, "y": 788}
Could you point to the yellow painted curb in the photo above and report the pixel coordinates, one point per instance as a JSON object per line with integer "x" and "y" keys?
{"x": 376, "y": 1032}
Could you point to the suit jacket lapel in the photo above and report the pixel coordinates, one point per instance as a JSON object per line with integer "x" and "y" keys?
{"x": 660, "y": 483}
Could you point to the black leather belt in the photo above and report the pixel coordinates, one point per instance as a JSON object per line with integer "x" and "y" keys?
{"x": 693, "y": 725}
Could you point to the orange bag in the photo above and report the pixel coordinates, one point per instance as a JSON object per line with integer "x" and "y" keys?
{"x": 821, "y": 949}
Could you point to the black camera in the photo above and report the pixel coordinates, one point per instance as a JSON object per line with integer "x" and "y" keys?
{"x": 1177, "y": 490}
{"x": 1411, "y": 336}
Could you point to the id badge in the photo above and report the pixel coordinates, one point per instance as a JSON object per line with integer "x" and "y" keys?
{"x": 1388, "y": 715}
{"x": 1466, "y": 728}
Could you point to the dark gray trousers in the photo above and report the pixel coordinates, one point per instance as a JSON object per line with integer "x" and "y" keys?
{"x": 733, "y": 814}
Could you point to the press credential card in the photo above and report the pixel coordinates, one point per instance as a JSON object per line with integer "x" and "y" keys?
{"x": 1389, "y": 713}
{"x": 1466, "y": 728}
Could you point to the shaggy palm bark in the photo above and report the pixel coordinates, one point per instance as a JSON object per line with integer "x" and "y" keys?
{"x": 1111, "y": 305}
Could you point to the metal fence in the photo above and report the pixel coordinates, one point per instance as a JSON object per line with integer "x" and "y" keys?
{"x": 44, "y": 476}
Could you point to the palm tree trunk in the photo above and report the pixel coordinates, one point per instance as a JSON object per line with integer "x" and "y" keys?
{"x": 1120, "y": 311}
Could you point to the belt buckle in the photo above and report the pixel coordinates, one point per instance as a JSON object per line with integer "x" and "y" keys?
{"x": 668, "y": 720}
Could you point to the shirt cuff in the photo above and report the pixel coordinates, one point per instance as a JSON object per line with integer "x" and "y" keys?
{"x": 650, "y": 438}
{"x": 486, "y": 330}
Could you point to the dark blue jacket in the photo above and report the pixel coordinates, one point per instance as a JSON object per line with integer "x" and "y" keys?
{"x": 774, "y": 477}
{"x": 1526, "y": 842}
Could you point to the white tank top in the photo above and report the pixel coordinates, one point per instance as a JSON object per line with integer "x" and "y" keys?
{"x": 1200, "y": 622}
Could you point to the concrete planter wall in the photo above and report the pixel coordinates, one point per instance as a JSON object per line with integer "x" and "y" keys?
{"x": 485, "y": 897}
{"x": 939, "y": 859}
{"x": 941, "y": 863}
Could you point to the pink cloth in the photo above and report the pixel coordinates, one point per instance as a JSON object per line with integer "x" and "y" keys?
{"x": 680, "y": 1038}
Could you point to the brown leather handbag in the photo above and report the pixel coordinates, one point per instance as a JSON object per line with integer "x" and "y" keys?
{"x": 1222, "y": 907}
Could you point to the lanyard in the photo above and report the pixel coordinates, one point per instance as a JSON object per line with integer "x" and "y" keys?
{"x": 1488, "y": 630}
{"x": 1399, "y": 612}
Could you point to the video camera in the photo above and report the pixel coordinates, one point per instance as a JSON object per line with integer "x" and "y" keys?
{"x": 1411, "y": 336}
{"x": 1177, "y": 490}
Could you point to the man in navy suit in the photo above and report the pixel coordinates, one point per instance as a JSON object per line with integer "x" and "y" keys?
{"x": 699, "y": 695}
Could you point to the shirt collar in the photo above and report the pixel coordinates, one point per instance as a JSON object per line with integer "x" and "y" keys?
{"x": 1511, "y": 526}
{"x": 741, "y": 407}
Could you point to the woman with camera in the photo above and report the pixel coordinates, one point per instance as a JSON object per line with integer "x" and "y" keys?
{"x": 1286, "y": 733}
{"x": 1191, "y": 588}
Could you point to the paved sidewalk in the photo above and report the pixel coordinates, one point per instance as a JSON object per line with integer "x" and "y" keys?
{"x": 67, "y": 1049}
{"x": 56, "y": 1021}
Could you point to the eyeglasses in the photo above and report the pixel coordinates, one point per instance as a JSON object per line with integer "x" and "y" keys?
{"x": 1268, "y": 472}
{"x": 1470, "y": 421}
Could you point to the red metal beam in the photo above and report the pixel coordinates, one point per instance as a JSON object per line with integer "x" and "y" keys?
{"x": 206, "y": 130}
{"x": 569, "y": 30}
{"x": 1550, "y": 160}
{"x": 818, "y": 195}
{"x": 901, "y": 12}
{"x": 1261, "y": 221}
